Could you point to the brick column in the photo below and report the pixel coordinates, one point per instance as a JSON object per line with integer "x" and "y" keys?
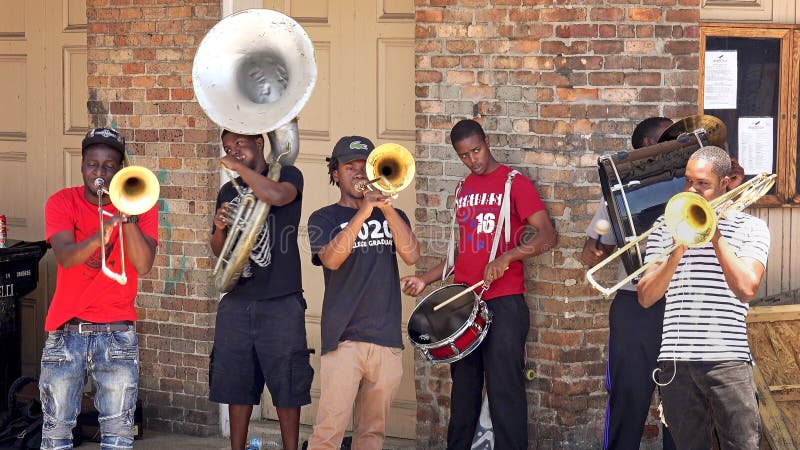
{"x": 140, "y": 66}
{"x": 555, "y": 86}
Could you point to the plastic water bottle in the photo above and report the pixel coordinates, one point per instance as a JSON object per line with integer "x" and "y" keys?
{"x": 254, "y": 444}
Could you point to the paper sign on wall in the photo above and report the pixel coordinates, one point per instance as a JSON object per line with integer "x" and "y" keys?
{"x": 756, "y": 144}
{"x": 720, "y": 80}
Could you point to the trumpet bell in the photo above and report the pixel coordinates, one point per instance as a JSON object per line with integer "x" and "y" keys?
{"x": 134, "y": 190}
{"x": 393, "y": 165}
{"x": 254, "y": 71}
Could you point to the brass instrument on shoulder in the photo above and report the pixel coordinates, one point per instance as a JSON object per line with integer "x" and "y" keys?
{"x": 133, "y": 191}
{"x": 252, "y": 74}
{"x": 390, "y": 168}
{"x": 691, "y": 220}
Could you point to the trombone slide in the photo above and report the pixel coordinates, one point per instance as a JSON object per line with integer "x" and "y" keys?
{"x": 610, "y": 290}
{"x": 688, "y": 212}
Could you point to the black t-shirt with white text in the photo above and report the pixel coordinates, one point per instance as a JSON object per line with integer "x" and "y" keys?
{"x": 362, "y": 296}
{"x": 273, "y": 269}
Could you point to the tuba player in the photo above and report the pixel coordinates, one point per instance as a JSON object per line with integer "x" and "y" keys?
{"x": 260, "y": 334}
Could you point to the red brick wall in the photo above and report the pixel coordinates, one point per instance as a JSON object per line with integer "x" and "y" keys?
{"x": 140, "y": 66}
{"x": 555, "y": 84}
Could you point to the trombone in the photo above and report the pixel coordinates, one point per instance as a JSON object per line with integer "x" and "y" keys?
{"x": 390, "y": 167}
{"x": 133, "y": 190}
{"x": 691, "y": 220}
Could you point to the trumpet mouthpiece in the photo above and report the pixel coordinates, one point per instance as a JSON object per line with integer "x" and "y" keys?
{"x": 98, "y": 182}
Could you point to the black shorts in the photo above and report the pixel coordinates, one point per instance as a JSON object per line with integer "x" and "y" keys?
{"x": 257, "y": 341}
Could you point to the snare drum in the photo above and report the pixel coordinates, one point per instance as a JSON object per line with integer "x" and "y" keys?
{"x": 454, "y": 331}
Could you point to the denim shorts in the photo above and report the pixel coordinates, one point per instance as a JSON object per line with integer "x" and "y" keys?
{"x": 258, "y": 341}
{"x": 111, "y": 359}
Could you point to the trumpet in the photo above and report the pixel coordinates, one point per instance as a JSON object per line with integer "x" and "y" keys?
{"x": 691, "y": 220}
{"x": 133, "y": 190}
{"x": 390, "y": 168}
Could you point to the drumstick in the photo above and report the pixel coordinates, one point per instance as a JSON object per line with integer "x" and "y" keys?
{"x": 465, "y": 291}
{"x": 601, "y": 227}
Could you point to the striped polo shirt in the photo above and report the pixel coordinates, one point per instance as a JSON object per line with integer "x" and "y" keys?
{"x": 703, "y": 319}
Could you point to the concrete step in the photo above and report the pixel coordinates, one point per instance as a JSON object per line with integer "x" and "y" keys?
{"x": 270, "y": 433}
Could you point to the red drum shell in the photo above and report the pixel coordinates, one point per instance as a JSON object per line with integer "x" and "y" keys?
{"x": 454, "y": 331}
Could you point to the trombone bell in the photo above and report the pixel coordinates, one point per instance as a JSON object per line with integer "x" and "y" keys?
{"x": 690, "y": 219}
{"x": 134, "y": 190}
{"x": 391, "y": 168}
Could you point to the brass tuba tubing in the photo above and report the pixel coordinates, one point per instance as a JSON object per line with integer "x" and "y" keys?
{"x": 688, "y": 211}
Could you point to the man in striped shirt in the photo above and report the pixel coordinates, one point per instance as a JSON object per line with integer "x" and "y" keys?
{"x": 705, "y": 366}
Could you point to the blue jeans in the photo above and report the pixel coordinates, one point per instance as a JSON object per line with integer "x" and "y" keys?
{"x": 112, "y": 360}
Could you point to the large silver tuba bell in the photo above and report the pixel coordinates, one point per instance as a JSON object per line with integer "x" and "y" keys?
{"x": 254, "y": 71}
{"x": 252, "y": 74}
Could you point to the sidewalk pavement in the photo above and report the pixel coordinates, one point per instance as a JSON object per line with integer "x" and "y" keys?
{"x": 268, "y": 430}
{"x": 270, "y": 433}
{"x": 160, "y": 440}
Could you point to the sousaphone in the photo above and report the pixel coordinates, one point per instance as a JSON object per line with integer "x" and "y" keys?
{"x": 252, "y": 74}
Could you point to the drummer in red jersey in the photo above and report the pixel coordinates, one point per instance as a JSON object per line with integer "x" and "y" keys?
{"x": 494, "y": 206}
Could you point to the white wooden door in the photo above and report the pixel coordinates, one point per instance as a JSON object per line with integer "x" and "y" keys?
{"x": 43, "y": 92}
{"x": 365, "y": 60}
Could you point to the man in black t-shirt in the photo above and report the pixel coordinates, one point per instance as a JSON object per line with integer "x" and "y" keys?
{"x": 356, "y": 241}
{"x": 260, "y": 332}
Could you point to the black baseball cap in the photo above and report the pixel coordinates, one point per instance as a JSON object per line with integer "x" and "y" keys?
{"x": 351, "y": 148}
{"x": 105, "y": 136}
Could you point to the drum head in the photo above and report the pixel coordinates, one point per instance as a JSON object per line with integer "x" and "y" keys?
{"x": 427, "y": 326}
